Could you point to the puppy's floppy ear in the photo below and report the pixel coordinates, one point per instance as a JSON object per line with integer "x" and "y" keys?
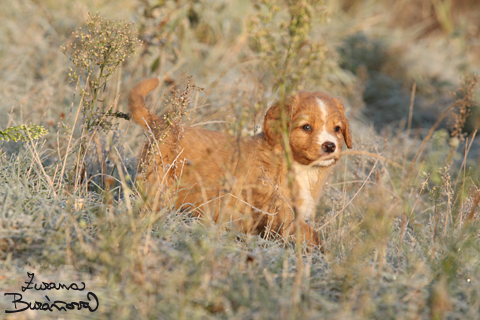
{"x": 347, "y": 134}
{"x": 272, "y": 125}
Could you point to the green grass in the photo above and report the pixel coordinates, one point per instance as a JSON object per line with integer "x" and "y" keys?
{"x": 402, "y": 236}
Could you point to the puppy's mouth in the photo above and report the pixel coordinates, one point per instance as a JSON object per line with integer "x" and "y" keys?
{"x": 323, "y": 163}
{"x": 325, "y": 160}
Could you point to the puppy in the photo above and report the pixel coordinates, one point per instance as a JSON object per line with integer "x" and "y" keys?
{"x": 248, "y": 181}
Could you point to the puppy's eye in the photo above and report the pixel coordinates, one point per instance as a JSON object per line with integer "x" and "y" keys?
{"x": 307, "y": 127}
{"x": 337, "y": 129}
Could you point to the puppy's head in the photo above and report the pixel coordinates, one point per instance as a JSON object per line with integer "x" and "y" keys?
{"x": 317, "y": 128}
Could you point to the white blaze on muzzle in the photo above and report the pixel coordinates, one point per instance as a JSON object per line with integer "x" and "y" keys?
{"x": 324, "y": 135}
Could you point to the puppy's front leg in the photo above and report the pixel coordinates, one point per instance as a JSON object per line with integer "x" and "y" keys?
{"x": 307, "y": 234}
{"x": 305, "y": 231}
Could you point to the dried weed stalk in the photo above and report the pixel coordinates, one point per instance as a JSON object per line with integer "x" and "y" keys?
{"x": 97, "y": 51}
{"x": 177, "y": 106}
{"x": 283, "y": 39}
{"x": 464, "y": 102}
{"x": 174, "y": 123}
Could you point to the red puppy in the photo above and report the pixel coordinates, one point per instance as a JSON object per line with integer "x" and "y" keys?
{"x": 245, "y": 180}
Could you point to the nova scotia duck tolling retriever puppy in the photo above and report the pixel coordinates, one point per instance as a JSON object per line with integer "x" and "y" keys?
{"x": 246, "y": 181}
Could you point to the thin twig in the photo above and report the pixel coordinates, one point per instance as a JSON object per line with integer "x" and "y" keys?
{"x": 424, "y": 142}
{"x": 373, "y": 155}
{"x": 476, "y": 200}
{"x": 343, "y": 209}
{"x": 409, "y": 124}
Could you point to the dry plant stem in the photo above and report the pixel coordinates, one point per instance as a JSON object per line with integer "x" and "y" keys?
{"x": 85, "y": 145}
{"x": 373, "y": 155}
{"x": 404, "y": 216}
{"x": 435, "y": 230}
{"x": 79, "y": 232}
{"x": 402, "y": 230}
{"x": 471, "y": 214}
{"x": 10, "y": 117}
{"x": 78, "y": 170}
{"x": 39, "y": 162}
{"x": 447, "y": 214}
{"x": 50, "y": 19}
{"x": 463, "y": 167}
{"x": 149, "y": 234}
{"x": 276, "y": 189}
{"x": 410, "y": 112}
{"x": 118, "y": 89}
{"x": 71, "y": 136}
{"x": 208, "y": 122}
{"x": 409, "y": 124}
{"x": 224, "y": 72}
{"x": 67, "y": 240}
{"x": 100, "y": 159}
{"x": 29, "y": 171}
{"x": 344, "y": 191}
{"x": 59, "y": 155}
{"x": 464, "y": 104}
{"x": 293, "y": 194}
{"x": 244, "y": 202}
{"x": 126, "y": 189}
{"x": 443, "y": 11}
{"x": 165, "y": 174}
{"x": 424, "y": 142}
{"x": 394, "y": 189}
{"x": 124, "y": 167}
{"x": 464, "y": 170}
{"x": 243, "y": 184}
{"x": 98, "y": 52}
{"x": 162, "y": 77}
{"x": 345, "y": 206}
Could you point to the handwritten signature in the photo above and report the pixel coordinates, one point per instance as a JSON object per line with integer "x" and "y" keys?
{"x": 57, "y": 304}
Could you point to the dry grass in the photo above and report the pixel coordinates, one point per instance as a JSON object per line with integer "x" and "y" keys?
{"x": 399, "y": 217}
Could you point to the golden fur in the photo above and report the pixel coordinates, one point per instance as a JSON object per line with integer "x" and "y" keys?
{"x": 246, "y": 180}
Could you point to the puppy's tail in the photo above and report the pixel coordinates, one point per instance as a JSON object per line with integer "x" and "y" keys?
{"x": 136, "y": 104}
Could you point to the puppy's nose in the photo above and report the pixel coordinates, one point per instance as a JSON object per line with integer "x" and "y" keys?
{"x": 328, "y": 147}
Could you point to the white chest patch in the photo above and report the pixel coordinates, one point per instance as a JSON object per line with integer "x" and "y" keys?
{"x": 306, "y": 177}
